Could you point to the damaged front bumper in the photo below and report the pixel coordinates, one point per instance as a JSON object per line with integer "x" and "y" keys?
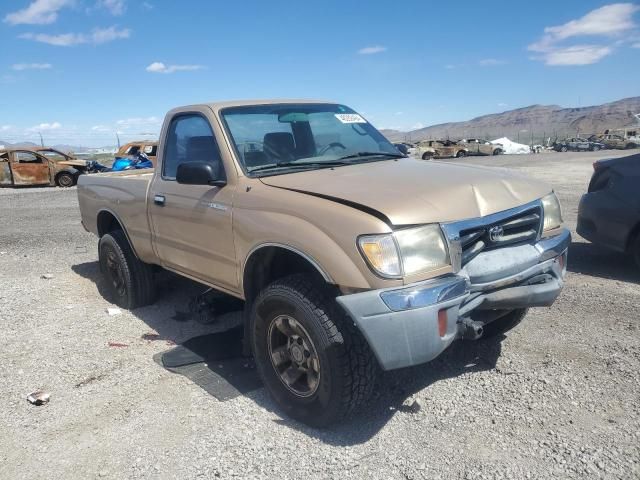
{"x": 415, "y": 323}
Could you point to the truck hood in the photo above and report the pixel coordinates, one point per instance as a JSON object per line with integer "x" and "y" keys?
{"x": 410, "y": 191}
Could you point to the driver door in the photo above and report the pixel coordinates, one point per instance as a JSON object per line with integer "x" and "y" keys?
{"x": 192, "y": 229}
{"x": 29, "y": 168}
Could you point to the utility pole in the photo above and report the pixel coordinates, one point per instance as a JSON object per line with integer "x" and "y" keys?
{"x": 118, "y": 137}
{"x": 41, "y": 140}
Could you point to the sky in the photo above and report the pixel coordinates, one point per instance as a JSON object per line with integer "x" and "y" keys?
{"x": 80, "y": 71}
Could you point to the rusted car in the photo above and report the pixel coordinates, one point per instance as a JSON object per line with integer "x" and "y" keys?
{"x": 614, "y": 141}
{"x": 429, "y": 149}
{"x": 22, "y": 167}
{"x": 477, "y": 146}
{"x": 150, "y": 149}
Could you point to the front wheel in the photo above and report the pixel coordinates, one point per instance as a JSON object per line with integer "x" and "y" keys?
{"x": 129, "y": 281}
{"x": 427, "y": 156}
{"x": 595, "y": 148}
{"x": 497, "y": 151}
{"x": 311, "y": 358}
{"x": 505, "y": 323}
{"x": 564, "y": 149}
{"x": 65, "y": 180}
{"x": 461, "y": 154}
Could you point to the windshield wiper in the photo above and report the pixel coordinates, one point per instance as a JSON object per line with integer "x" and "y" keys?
{"x": 295, "y": 164}
{"x": 372, "y": 154}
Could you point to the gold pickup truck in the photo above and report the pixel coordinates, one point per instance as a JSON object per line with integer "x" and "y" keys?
{"x": 349, "y": 256}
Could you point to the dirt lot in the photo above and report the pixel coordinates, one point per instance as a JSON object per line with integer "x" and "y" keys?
{"x": 558, "y": 397}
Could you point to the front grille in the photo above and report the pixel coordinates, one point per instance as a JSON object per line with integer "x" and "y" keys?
{"x": 520, "y": 228}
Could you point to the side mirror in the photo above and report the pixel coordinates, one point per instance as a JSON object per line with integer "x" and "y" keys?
{"x": 198, "y": 173}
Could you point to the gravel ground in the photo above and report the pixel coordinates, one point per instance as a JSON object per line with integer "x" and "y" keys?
{"x": 556, "y": 398}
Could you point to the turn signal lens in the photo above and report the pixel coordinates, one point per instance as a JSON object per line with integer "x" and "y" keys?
{"x": 381, "y": 253}
{"x": 442, "y": 322}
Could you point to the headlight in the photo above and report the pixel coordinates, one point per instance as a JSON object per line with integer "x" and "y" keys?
{"x": 552, "y": 212}
{"x": 406, "y": 252}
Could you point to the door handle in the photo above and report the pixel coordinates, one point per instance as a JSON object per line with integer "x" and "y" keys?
{"x": 159, "y": 199}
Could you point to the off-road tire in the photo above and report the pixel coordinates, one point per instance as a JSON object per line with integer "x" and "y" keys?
{"x": 504, "y": 324}
{"x": 427, "y": 156}
{"x": 461, "y": 154}
{"x": 65, "y": 180}
{"x": 138, "y": 287}
{"x": 348, "y": 369}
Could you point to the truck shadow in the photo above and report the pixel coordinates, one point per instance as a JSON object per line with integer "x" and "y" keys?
{"x": 589, "y": 259}
{"x": 169, "y": 317}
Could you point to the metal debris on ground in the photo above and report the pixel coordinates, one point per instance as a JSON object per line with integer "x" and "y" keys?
{"x": 46, "y": 276}
{"x": 113, "y": 311}
{"x": 38, "y": 397}
{"x": 411, "y": 405}
{"x": 151, "y": 337}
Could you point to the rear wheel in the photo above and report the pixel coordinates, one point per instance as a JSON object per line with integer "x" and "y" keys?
{"x": 461, "y": 154}
{"x": 129, "y": 280}
{"x": 505, "y": 323}
{"x": 65, "y": 179}
{"x": 497, "y": 151}
{"x": 595, "y": 148}
{"x": 564, "y": 148}
{"x": 310, "y": 356}
{"x": 630, "y": 145}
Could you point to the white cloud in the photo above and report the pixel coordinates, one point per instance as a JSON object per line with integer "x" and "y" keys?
{"x": 5, "y": 128}
{"x": 490, "y": 62}
{"x": 636, "y": 45}
{"x": 96, "y": 37}
{"x": 115, "y": 7}
{"x": 577, "y": 55}
{"x": 159, "y": 67}
{"x": 104, "y": 35}
{"x": 43, "y": 127}
{"x": 31, "y": 66}
{"x": 608, "y": 21}
{"x": 138, "y": 123}
{"x": 417, "y": 126}
{"x": 372, "y": 50}
{"x": 39, "y": 12}
{"x": 502, "y": 104}
{"x": 147, "y": 5}
{"x": 101, "y": 128}
{"x": 399, "y": 113}
{"x": 451, "y": 66}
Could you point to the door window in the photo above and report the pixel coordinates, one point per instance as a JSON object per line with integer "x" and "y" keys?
{"x": 28, "y": 157}
{"x": 190, "y": 139}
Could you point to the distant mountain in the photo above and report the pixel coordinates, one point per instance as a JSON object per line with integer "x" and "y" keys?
{"x": 61, "y": 147}
{"x": 539, "y": 120}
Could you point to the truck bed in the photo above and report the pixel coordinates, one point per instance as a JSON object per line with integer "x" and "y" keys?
{"x": 122, "y": 195}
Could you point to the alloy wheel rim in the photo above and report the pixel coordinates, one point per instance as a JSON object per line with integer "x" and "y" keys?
{"x": 115, "y": 273}
{"x": 293, "y": 356}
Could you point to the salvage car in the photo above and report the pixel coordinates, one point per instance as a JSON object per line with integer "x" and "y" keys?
{"x": 428, "y": 149}
{"x": 577, "y": 144}
{"x": 349, "y": 256}
{"x": 614, "y": 141}
{"x": 477, "y": 146}
{"x": 150, "y": 149}
{"x": 22, "y": 167}
{"x": 609, "y": 213}
{"x": 66, "y": 159}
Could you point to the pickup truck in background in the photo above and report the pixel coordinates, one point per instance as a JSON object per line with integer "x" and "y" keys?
{"x": 349, "y": 256}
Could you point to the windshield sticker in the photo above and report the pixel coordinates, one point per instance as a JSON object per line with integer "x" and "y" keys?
{"x": 350, "y": 118}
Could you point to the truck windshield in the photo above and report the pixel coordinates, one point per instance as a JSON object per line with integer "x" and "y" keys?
{"x": 271, "y": 138}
